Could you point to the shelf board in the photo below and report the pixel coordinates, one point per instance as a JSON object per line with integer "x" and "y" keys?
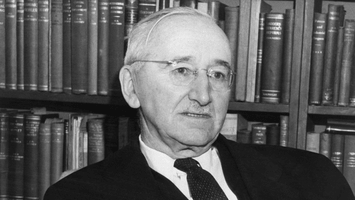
{"x": 258, "y": 107}
{"x": 331, "y": 110}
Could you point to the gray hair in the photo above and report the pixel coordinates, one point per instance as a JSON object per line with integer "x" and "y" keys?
{"x": 141, "y": 33}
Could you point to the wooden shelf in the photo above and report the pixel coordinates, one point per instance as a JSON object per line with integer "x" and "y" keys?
{"x": 331, "y": 110}
{"x": 258, "y": 107}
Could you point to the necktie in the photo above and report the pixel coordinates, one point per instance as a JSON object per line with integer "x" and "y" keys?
{"x": 202, "y": 185}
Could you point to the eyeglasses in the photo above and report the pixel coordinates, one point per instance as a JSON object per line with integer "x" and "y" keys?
{"x": 182, "y": 73}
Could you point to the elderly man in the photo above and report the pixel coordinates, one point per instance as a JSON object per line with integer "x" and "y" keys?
{"x": 177, "y": 73}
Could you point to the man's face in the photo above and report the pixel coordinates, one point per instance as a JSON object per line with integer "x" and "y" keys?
{"x": 180, "y": 120}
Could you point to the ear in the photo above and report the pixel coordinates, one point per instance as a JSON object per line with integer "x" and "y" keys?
{"x": 127, "y": 87}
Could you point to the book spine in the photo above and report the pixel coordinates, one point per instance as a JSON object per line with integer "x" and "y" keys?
{"x": 43, "y": 45}
{"x": 30, "y": 179}
{"x": 313, "y": 140}
{"x": 329, "y": 54}
{"x": 11, "y": 44}
{"x": 337, "y": 153}
{"x": 231, "y": 30}
{"x": 259, "y": 60}
{"x": 287, "y": 56}
{"x": 57, "y": 46}
{"x": 67, "y": 46}
{"x": 123, "y": 132}
{"x": 57, "y": 145}
{"x": 347, "y": 63}
{"x": 145, "y": 8}
{"x": 258, "y": 134}
{"x": 2, "y": 47}
{"x": 131, "y": 15}
{"x": 44, "y": 155}
{"x": 92, "y": 46}
{"x": 116, "y": 44}
{"x": 349, "y": 160}
{"x": 31, "y": 44}
{"x": 273, "y": 134}
{"x": 338, "y": 65}
{"x": 79, "y": 46}
{"x": 325, "y": 144}
{"x": 318, "y": 45}
{"x": 111, "y": 135}
{"x": 272, "y": 58}
{"x": 96, "y": 145}
{"x": 244, "y": 136}
{"x": 20, "y": 76}
{"x": 188, "y": 3}
{"x": 16, "y": 154}
{"x": 103, "y": 47}
{"x": 284, "y": 130}
{"x": 4, "y": 154}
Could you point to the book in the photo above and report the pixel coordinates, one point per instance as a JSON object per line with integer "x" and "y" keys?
{"x": 92, "y": 46}
{"x": 16, "y": 156}
{"x": 272, "y": 60}
{"x": 337, "y": 150}
{"x": 244, "y": 136}
{"x": 231, "y": 30}
{"x": 259, "y": 60}
{"x": 338, "y": 65}
{"x": 44, "y": 158}
{"x": 111, "y": 134}
{"x": 30, "y": 179}
{"x": 96, "y": 142}
{"x": 333, "y": 23}
{"x": 20, "y": 42}
{"x": 284, "y": 132}
{"x": 273, "y": 134}
{"x": 4, "y": 153}
{"x": 349, "y": 160}
{"x": 43, "y": 45}
{"x": 116, "y": 44}
{"x": 313, "y": 139}
{"x": 57, "y": 145}
{"x": 131, "y": 17}
{"x": 230, "y": 126}
{"x": 257, "y": 7}
{"x": 287, "y": 56}
{"x": 123, "y": 132}
{"x": 103, "y": 45}
{"x": 56, "y": 67}
{"x": 67, "y": 52}
{"x": 213, "y": 8}
{"x": 79, "y": 71}
{"x": 2, "y": 47}
{"x": 325, "y": 144}
{"x": 258, "y": 134}
{"x": 31, "y": 44}
{"x": 347, "y": 63}
{"x": 145, "y": 8}
{"x": 317, "y": 59}
{"x": 188, "y": 3}
{"x": 11, "y": 44}
{"x": 242, "y": 49}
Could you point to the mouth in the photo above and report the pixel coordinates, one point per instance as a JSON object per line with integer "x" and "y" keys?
{"x": 197, "y": 115}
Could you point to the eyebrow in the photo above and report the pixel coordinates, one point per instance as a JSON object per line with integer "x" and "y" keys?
{"x": 214, "y": 62}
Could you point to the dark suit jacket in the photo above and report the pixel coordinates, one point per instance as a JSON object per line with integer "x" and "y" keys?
{"x": 253, "y": 172}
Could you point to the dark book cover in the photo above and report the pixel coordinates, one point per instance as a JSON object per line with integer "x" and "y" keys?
{"x": 16, "y": 155}
{"x": 57, "y": 148}
{"x": 4, "y": 153}
{"x": 79, "y": 70}
{"x": 111, "y": 135}
{"x": 333, "y": 23}
{"x": 347, "y": 63}
{"x": 56, "y": 70}
{"x": 145, "y": 8}
{"x": 44, "y": 158}
{"x": 349, "y": 160}
{"x": 273, "y": 134}
{"x": 116, "y": 44}
{"x": 287, "y": 56}
{"x": 258, "y": 134}
{"x": 244, "y": 136}
{"x": 231, "y": 30}
{"x": 338, "y": 65}
{"x": 2, "y": 47}
{"x": 337, "y": 150}
{"x": 259, "y": 61}
{"x": 11, "y": 44}
{"x": 43, "y": 45}
{"x": 67, "y": 46}
{"x": 92, "y": 46}
{"x": 20, "y": 41}
{"x": 188, "y": 3}
{"x": 131, "y": 17}
{"x": 272, "y": 58}
{"x": 96, "y": 142}
{"x": 30, "y": 179}
{"x": 31, "y": 44}
{"x": 284, "y": 130}
{"x": 103, "y": 32}
{"x": 325, "y": 144}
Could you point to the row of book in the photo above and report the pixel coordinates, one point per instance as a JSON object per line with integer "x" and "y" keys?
{"x": 37, "y": 147}
{"x": 236, "y": 128}
{"x": 332, "y": 63}
{"x": 336, "y": 142}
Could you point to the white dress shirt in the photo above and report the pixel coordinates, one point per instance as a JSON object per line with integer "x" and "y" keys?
{"x": 164, "y": 165}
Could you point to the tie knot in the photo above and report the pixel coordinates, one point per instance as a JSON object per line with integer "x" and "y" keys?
{"x": 186, "y": 164}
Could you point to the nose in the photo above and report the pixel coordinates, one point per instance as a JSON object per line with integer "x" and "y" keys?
{"x": 200, "y": 89}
